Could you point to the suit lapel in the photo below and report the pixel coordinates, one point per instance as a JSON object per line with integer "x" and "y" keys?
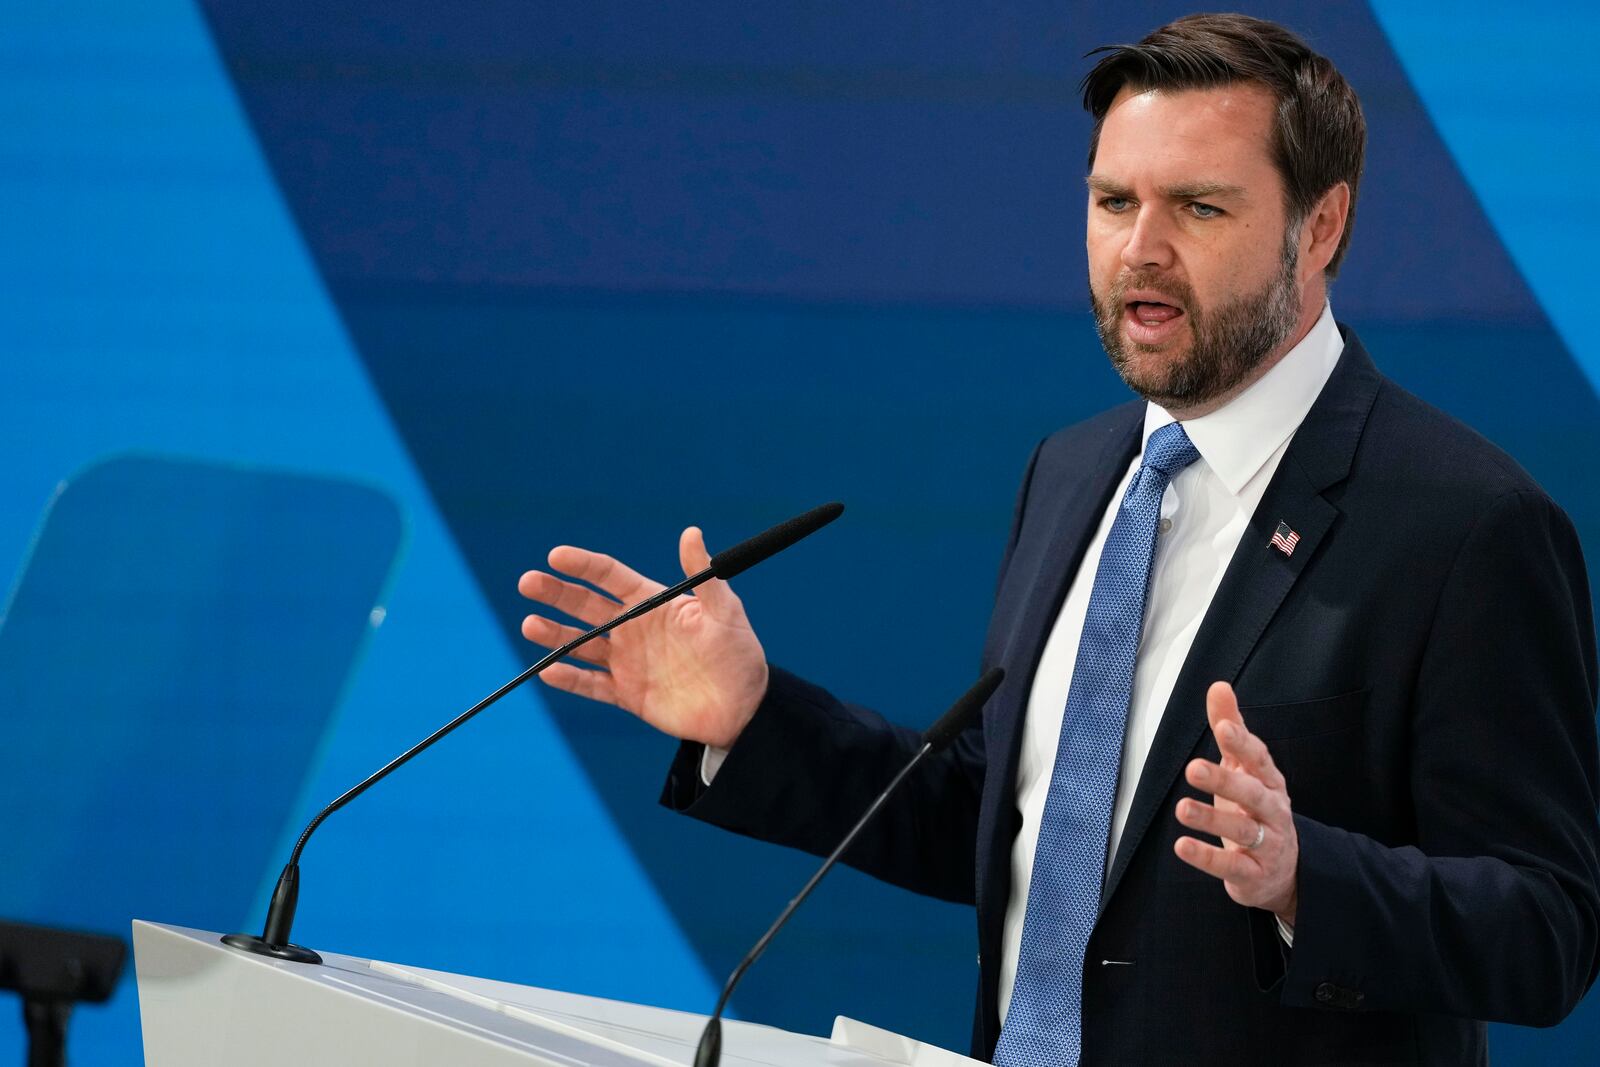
{"x": 1072, "y": 509}
{"x": 1077, "y": 513}
{"x": 1256, "y": 582}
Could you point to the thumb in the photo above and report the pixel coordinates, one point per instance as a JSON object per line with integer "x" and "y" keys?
{"x": 715, "y": 595}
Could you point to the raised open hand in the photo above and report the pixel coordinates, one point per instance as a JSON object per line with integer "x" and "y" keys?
{"x": 1258, "y": 859}
{"x": 693, "y": 668}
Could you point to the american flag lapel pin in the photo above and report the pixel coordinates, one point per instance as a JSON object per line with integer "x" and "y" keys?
{"x": 1284, "y": 539}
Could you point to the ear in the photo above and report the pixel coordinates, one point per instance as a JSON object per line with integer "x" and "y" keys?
{"x": 1322, "y": 231}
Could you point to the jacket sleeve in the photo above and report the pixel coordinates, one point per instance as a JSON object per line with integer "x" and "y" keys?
{"x": 1493, "y": 913}
{"x": 808, "y": 766}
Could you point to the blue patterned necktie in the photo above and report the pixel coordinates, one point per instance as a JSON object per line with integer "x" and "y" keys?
{"x": 1044, "y": 1021}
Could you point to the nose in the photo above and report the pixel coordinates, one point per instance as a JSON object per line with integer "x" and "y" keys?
{"x": 1149, "y": 241}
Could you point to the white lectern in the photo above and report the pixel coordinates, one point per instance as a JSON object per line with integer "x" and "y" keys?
{"x": 204, "y": 1005}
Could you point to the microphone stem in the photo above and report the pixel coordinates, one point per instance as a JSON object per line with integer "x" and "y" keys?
{"x": 280, "y": 913}
{"x": 938, "y": 737}
{"x": 833, "y": 858}
{"x": 648, "y": 604}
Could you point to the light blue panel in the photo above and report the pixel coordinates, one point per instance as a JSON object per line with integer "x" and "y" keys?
{"x": 154, "y": 296}
{"x": 176, "y": 614}
{"x": 1513, "y": 91}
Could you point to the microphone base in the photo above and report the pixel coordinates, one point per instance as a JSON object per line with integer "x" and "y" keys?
{"x": 252, "y": 943}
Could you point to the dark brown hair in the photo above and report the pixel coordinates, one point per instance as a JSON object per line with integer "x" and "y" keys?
{"x": 1320, "y": 136}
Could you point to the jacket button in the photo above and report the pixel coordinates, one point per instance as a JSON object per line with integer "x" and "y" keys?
{"x": 1324, "y": 992}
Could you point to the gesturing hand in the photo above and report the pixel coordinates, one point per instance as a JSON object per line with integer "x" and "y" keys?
{"x": 1260, "y": 851}
{"x": 692, "y": 668}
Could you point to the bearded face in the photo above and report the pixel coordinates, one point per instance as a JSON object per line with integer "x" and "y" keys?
{"x": 1225, "y": 343}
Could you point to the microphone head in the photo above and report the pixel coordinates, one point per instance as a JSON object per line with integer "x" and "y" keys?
{"x": 746, "y": 554}
{"x": 952, "y": 722}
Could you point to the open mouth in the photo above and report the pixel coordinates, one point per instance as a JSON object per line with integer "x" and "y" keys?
{"x": 1151, "y": 321}
{"x": 1151, "y": 313}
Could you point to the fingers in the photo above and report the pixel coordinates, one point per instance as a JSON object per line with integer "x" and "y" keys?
{"x": 1231, "y": 865}
{"x": 1222, "y": 705}
{"x": 596, "y": 685}
{"x": 1239, "y": 746}
{"x": 566, "y": 597}
{"x": 1260, "y": 875}
{"x": 1235, "y": 826}
{"x": 715, "y": 596}
{"x": 599, "y": 569}
{"x": 1248, "y": 752}
{"x": 551, "y": 634}
{"x": 1232, "y": 783}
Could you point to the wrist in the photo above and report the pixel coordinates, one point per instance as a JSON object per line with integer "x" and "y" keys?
{"x": 734, "y": 725}
{"x": 1286, "y": 911}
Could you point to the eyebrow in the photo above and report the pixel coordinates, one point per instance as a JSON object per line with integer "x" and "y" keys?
{"x": 1191, "y": 191}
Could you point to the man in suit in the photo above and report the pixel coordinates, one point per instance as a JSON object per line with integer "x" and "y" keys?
{"x": 1395, "y": 837}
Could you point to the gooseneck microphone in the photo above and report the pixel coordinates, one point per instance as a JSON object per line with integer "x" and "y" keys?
{"x": 274, "y": 939}
{"x": 937, "y": 738}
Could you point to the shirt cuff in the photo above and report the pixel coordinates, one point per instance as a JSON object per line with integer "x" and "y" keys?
{"x": 1285, "y": 931}
{"x": 711, "y": 762}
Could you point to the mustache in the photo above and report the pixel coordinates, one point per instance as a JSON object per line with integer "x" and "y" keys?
{"x": 1177, "y": 288}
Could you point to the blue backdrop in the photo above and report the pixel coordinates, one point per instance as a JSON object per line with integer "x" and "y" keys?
{"x": 542, "y": 273}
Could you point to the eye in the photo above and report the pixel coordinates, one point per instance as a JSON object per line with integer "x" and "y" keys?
{"x": 1115, "y": 204}
{"x": 1204, "y": 211}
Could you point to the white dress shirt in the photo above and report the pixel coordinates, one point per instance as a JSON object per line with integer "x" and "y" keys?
{"x": 1203, "y": 514}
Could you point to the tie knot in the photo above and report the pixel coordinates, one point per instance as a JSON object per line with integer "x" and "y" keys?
{"x": 1169, "y": 450}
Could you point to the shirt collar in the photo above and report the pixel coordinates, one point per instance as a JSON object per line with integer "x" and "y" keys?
{"x": 1238, "y": 438}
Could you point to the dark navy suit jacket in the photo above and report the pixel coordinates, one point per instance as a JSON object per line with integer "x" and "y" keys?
{"x": 1422, "y": 668}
